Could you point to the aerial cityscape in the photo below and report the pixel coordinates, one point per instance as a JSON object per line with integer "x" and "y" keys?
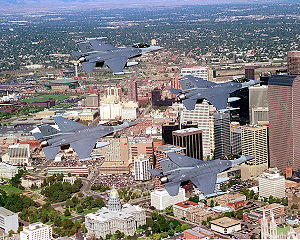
{"x": 149, "y": 120}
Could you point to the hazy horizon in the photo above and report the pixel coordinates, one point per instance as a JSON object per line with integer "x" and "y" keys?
{"x": 107, "y": 4}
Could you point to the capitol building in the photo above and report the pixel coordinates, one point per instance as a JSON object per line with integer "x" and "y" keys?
{"x": 115, "y": 217}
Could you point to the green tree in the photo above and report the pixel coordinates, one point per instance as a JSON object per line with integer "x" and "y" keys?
{"x": 171, "y": 232}
{"x": 67, "y": 213}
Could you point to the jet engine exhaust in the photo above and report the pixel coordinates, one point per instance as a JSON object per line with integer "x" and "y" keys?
{"x": 44, "y": 144}
{"x": 181, "y": 97}
{"x": 164, "y": 179}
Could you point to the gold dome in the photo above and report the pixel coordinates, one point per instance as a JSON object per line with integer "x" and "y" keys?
{"x": 114, "y": 193}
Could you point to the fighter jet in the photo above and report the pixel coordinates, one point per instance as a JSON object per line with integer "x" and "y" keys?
{"x": 94, "y": 52}
{"x": 178, "y": 168}
{"x": 80, "y": 137}
{"x": 217, "y": 94}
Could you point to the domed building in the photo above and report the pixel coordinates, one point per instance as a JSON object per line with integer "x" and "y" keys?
{"x": 126, "y": 218}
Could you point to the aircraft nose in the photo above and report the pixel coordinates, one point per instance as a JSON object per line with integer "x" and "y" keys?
{"x": 240, "y": 160}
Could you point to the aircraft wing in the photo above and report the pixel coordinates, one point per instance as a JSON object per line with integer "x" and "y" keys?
{"x": 67, "y": 125}
{"x": 101, "y": 46}
{"x": 85, "y": 47}
{"x": 51, "y": 152}
{"x": 116, "y": 64}
{"x": 205, "y": 183}
{"x": 190, "y": 81}
{"x": 218, "y": 100}
{"x": 189, "y": 103}
{"x": 183, "y": 160}
{"x": 172, "y": 188}
{"x": 175, "y": 91}
{"x": 88, "y": 66}
{"x": 84, "y": 147}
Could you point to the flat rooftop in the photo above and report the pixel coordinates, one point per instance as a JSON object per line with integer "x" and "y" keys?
{"x": 5, "y": 212}
{"x": 225, "y": 222}
{"x": 187, "y": 131}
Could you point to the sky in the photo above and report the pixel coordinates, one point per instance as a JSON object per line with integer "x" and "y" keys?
{"x": 73, "y": 4}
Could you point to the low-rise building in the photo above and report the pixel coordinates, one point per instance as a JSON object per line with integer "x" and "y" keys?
{"x": 36, "y": 231}
{"x": 7, "y": 171}
{"x": 160, "y": 198}
{"x": 180, "y": 209}
{"x": 66, "y": 170}
{"x": 28, "y": 181}
{"x": 198, "y": 214}
{"x": 255, "y": 216}
{"x": 8, "y": 220}
{"x": 105, "y": 221}
{"x": 225, "y": 225}
{"x": 19, "y": 154}
{"x": 198, "y": 233}
{"x": 88, "y": 114}
{"x": 233, "y": 200}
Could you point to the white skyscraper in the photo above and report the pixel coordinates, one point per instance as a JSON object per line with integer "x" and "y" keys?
{"x": 201, "y": 116}
{"x": 142, "y": 168}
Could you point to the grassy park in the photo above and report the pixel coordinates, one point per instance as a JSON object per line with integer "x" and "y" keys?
{"x": 42, "y": 98}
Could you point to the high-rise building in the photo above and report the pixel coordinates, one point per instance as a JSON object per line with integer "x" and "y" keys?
{"x": 169, "y": 127}
{"x": 155, "y": 96}
{"x": 201, "y": 116}
{"x": 8, "y": 220}
{"x": 175, "y": 83}
{"x": 254, "y": 143}
{"x": 293, "y": 63}
{"x": 92, "y": 101}
{"x": 191, "y": 140}
{"x": 201, "y": 72}
{"x": 235, "y": 138}
{"x": 36, "y": 231}
{"x": 259, "y": 114}
{"x": 113, "y": 92}
{"x": 250, "y": 72}
{"x": 222, "y": 134}
{"x": 142, "y": 168}
{"x": 271, "y": 183}
{"x": 160, "y": 198}
{"x": 132, "y": 90}
{"x": 284, "y": 115}
{"x": 258, "y": 100}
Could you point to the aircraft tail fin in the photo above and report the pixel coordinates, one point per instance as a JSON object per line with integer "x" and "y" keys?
{"x": 47, "y": 130}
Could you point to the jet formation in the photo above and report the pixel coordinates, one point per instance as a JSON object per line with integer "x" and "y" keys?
{"x": 82, "y": 138}
{"x": 93, "y": 53}
{"x": 178, "y": 168}
{"x": 217, "y": 94}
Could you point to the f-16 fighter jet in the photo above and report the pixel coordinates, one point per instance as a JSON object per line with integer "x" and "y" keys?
{"x": 80, "y": 137}
{"x": 178, "y": 168}
{"x": 217, "y": 94}
{"x": 94, "y": 52}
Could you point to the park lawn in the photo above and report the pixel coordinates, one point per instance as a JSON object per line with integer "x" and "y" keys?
{"x": 43, "y": 98}
{"x": 10, "y": 189}
{"x": 87, "y": 211}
